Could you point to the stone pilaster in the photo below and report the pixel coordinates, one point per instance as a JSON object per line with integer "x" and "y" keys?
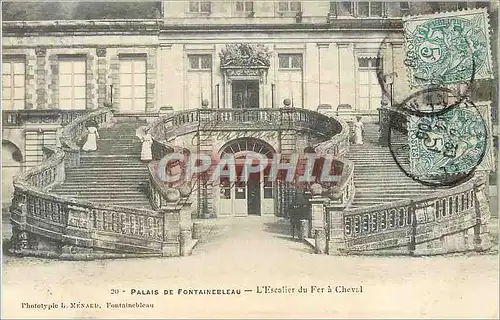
{"x": 115, "y": 80}
{"x": 54, "y": 81}
{"x": 327, "y": 64}
{"x": 41, "y": 78}
{"x": 347, "y": 74}
{"x": 90, "y": 81}
{"x": 336, "y": 243}
{"x": 31, "y": 65}
{"x": 101, "y": 75}
{"x": 151, "y": 80}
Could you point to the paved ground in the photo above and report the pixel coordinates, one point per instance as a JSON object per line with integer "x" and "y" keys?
{"x": 243, "y": 253}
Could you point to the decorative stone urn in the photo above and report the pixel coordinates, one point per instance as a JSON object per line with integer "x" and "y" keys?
{"x": 287, "y": 102}
{"x": 172, "y": 195}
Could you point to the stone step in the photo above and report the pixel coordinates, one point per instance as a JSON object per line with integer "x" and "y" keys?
{"x": 96, "y": 194}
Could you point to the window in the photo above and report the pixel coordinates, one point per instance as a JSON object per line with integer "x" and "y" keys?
{"x": 244, "y": 6}
{"x": 453, "y": 5}
{"x": 72, "y": 82}
{"x": 290, "y": 61}
{"x": 369, "y": 92}
{"x": 344, "y": 8}
{"x": 293, "y": 6}
{"x": 268, "y": 184}
{"x": 404, "y": 5}
{"x": 370, "y": 9}
{"x": 132, "y": 83}
{"x": 225, "y": 188}
{"x": 13, "y": 84}
{"x": 200, "y": 6}
{"x": 200, "y": 62}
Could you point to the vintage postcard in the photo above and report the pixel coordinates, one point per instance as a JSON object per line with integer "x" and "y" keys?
{"x": 249, "y": 159}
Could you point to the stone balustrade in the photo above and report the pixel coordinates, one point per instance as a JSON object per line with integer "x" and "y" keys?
{"x": 270, "y": 119}
{"x": 71, "y": 133}
{"x": 48, "y": 225}
{"x": 19, "y": 118}
{"x": 451, "y": 220}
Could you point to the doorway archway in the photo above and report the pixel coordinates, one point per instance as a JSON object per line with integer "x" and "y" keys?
{"x": 253, "y": 193}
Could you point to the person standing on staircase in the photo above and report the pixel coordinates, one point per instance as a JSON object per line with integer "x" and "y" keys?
{"x": 93, "y": 135}
{"x": 147, "y": 142}
{"x": 359, "y": 131}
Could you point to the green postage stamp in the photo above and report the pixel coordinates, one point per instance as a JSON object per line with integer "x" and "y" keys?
{"x": 448, "y": 48}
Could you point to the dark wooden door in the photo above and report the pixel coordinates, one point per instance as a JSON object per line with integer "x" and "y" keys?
{"x": 253, "y": 188}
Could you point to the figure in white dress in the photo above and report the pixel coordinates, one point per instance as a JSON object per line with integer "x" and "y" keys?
{"x": 147, "y": 142}
{"x": 359, "y": 131}
{"x": 91, "y": 143}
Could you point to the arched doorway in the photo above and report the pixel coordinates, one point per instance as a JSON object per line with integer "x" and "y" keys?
{"x": 12, "y": 159}
{"x": 252, "y": 193}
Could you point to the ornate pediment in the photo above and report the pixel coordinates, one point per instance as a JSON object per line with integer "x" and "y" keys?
{"x": 244, "y": 55}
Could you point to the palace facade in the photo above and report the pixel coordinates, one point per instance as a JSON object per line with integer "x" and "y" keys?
{"x": 314, "y": 55}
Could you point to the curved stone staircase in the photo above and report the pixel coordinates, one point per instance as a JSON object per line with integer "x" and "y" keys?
{"x": 377, "y": 177}
{"x": 114, "y": 173}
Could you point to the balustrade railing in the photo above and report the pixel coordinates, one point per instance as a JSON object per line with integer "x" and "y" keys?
{"x": 403, "y": 224}
{"x": 71, "y": 133}
{"x": 244, "y": 119}
{"x": 17, "y": 118}
{"x": 83, "y": 227}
